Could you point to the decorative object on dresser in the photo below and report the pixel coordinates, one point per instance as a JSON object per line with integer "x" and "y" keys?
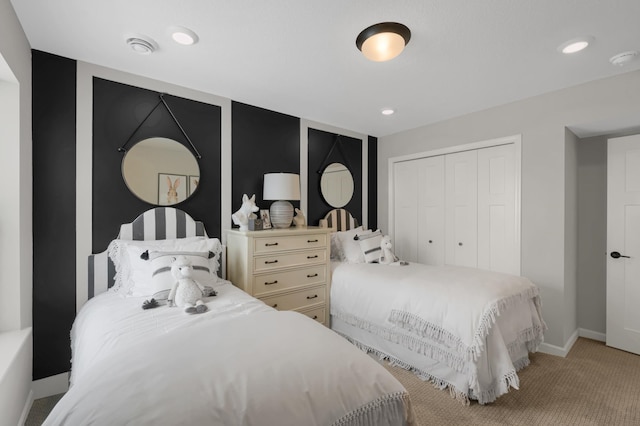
{"x": 287, "y": 269}
{"x": 299, "y": 219}
{"x": 281, "y": 187}
{"x": 246, "y": 212}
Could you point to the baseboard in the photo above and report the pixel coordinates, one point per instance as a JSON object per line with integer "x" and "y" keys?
{"x": 49, "y": 386}
{"x": 27, "y": 408}
{"x": 593, "y": 335}
{"x": 550, "y": 349}
{"x": 563, "y": 351}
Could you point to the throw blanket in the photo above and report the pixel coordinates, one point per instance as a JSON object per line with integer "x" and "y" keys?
{"x": 242, "y": 363}
{"x": 449, "y": 314}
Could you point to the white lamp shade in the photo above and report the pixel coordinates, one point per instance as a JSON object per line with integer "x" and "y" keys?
{"x": 281, "y": 186}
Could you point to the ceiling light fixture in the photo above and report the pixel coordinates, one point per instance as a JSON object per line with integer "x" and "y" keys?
{"x": 183, "y": 36}
{"x": 384, "y": 41}
{"x": 621, "y": 59}
{"x": 388, "y": 111}
{"x": 575, "y": 45}
{"x": 142, "y": 44}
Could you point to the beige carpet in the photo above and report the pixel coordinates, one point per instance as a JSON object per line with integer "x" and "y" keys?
{"x": 593, "y": 385}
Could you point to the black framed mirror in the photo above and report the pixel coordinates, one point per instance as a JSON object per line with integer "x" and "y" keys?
{"x": 336, "y": 185}
{"x": 161, "y": 171}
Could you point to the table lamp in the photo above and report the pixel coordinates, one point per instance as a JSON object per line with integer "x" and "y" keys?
{"x": 281, "y": 187}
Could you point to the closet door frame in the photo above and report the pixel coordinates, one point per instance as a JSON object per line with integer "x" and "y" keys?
{"x": 515, "y": 140}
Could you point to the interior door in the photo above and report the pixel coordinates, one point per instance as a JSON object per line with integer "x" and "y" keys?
{"x": 405, "y": 210}
{"x": 431, "y": 236}
{"x": 461, "y": 183}
{"x": 623, "y": 243}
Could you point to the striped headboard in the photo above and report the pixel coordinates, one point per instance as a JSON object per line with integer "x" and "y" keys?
{"x": 341, "y": 220}
{"x": 160, "y": 223}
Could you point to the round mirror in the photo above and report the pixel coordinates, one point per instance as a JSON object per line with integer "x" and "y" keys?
{"x": 336, "y": 185}
{"x": 160, "y": 171}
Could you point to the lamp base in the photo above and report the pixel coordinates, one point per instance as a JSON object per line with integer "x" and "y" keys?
{"x": 281, "y": 213}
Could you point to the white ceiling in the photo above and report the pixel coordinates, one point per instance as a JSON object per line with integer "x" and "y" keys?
{"x": 299, "y": 57}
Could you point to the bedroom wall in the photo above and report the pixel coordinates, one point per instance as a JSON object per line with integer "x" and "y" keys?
{"x": 252, "y": 141}
{"x": 570, "y": 232}
{"x": 604, "y": 106}
{"x": 15, "y": 219}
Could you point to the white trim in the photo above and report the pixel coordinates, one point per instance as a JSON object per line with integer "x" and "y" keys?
{"x": 550, "y": 349}
{"x": 52, "y": 385}
{"x": 305, "y": 125}
{"x": 27, "y": 407}
{"x": 516, "y": 140}
{"x": 593, "y": 335}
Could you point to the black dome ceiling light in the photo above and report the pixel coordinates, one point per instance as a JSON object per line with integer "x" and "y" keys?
{"x": 384, "y": 41}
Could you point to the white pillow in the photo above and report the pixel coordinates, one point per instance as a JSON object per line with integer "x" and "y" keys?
{"x": 131, "y": 269}
{"x": 350, "y": 247}
{"x": 370, "y": 246}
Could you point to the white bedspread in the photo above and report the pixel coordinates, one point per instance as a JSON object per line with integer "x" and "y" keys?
{"x": 479, "y": 323}
{"x": 241, "y": 363}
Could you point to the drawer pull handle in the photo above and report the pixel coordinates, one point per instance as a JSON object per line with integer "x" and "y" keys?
{"x": 312, "y": 297}
{"x": 312, "y": 275}
{"x": 312, "y": 241}
{"x": 272, "y": 282}
{"x": 315, "y": 317}
{"x": 275, "y": 305}
{"x": 270, "y": 244}
{"x": 270, "y": 261}
{"x": 312, "y": 257}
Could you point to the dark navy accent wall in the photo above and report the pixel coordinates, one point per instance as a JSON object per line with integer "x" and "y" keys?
{"x": 320, "y": 143}
{"x": 54, "y": 208}
{"x": 117, "y": 110}
{"x": 262, "y": 141}
{"x": 372, "y": 178}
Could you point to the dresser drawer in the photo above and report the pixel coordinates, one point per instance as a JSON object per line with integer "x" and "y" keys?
{"x": 289, "y": 242}
{"x": 278, "y": 261}
{"x": 297, "y": 300}
{"x": 317, "y": 314}
{"x": 268, "y": 283}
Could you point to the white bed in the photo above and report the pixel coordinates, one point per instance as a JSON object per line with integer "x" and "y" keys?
{"x": 239, "y": 363}
{"x": 465, "y": 329}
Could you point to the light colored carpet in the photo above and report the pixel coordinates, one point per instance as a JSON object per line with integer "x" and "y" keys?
{"x": 593, "y": 385}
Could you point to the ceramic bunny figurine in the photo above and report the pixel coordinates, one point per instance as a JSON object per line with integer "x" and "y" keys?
{"x": 299, "y": 219}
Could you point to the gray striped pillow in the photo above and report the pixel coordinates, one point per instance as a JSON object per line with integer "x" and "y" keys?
{"x": 370, "y": 246}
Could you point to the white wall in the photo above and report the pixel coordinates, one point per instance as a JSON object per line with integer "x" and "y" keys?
{"x": 541, "y": 120}
{"x": 570, "y": 233}
{"x": 16, "y": 242}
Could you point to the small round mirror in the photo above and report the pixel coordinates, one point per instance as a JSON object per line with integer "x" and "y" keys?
{"x": 336, "y": 185}
{"x": 160, "y": 171}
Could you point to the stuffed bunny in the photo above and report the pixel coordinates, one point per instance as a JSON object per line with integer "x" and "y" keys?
{"x": 299, "y": 219}
{"x": 186, "y": 292}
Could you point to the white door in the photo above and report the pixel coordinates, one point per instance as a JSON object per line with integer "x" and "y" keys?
{"x": 497, "y": 214}
{"x": 405, "y": 213}
{"x": 431, "y": 237}
{"x": 623, "y": 243}
{"x": 461, "y": 183}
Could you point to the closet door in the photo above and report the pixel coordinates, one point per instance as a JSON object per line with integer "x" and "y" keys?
{"x": 431, "y": 205}
{"x": 461, "y": 223}
{"x": 497, "y": 239}
{"x": 405, "y": 214}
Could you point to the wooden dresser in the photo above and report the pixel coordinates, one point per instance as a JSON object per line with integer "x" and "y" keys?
{"x": 287, "y": 269}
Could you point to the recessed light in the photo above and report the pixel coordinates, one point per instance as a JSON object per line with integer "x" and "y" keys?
{"x": 621, "y": 59}
{"x": 183, "y": 36}
{"x": 388, "y": 111}
{"x": 575, "y": 45}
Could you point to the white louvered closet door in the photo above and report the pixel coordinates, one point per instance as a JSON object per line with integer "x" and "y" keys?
{"x": 461, "y": 223}
{"x": 497, "y": 239}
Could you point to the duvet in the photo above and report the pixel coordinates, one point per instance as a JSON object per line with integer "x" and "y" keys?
{"x": 465, "y": 329}
{"x": 240, "y": 363}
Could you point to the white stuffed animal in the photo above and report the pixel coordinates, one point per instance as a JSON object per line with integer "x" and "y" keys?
{"x": 299, "y": 219}
{"x": 246, "y": 212}
{"x": 186, "y": 292}
{"x": 387, "y": 257}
